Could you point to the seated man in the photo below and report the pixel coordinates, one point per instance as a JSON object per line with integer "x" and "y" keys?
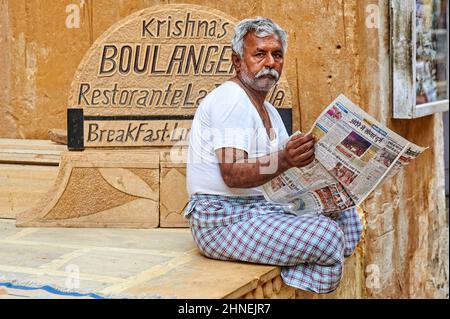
{"x": 234, "y": 148}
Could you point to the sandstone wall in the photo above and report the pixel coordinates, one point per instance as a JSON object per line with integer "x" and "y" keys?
{"x": 407, "y": 233}
{"x": 331, "y": 51}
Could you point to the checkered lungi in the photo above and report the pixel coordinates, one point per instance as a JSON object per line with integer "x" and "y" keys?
{"x": 310, "y": 248}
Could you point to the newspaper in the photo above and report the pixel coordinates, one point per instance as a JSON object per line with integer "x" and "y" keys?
{"x": 354, "y": 154}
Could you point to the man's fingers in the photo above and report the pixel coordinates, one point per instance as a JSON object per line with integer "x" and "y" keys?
{"x": 300, "y": 150}
{"x": 295, "y": 144}
{"x": 294, "y": 153}
{"x": 306, "y": 162}
{"x": 297, "y": 136}
{"x": 304, "y": 156}
{"x": 298, "y": 140}
{"x": 309, "y": 160}
{"x": 305, "y": 147}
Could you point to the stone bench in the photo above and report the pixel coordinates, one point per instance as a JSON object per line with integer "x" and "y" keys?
{"x": 27, "y": 182}
{"x": 159, "y": 262}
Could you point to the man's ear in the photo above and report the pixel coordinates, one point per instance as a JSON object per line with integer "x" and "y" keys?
{"x": 236, "y": 60}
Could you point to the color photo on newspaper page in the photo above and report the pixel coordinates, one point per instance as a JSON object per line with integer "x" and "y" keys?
{"x": 354, "y": 155}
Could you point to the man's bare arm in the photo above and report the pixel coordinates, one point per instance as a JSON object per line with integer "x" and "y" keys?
{"x": 238, "y": 171}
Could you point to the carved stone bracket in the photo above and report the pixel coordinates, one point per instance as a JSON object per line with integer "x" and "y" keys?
{"x": 100, "y": 189}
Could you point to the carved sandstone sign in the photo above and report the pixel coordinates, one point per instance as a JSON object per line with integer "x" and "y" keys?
{"x": 142, "y": 80}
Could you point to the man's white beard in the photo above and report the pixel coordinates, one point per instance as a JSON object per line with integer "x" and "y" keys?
{"x": 256, "y": 83}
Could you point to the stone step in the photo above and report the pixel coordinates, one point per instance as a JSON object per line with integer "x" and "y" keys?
{"x": 25, "y": 151}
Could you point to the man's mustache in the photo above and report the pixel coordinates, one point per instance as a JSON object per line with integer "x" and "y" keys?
{"x": 268, "y": 71}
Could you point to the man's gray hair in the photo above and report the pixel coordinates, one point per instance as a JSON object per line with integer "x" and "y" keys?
{"x": 262, "y": 27}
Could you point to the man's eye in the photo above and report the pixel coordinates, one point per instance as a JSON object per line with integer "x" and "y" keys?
{"x": 259, "y": 55}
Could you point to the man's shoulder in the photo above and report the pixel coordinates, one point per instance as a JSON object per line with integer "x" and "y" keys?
{"x": 227, "y": 101}
{"x": 226, "y": 92}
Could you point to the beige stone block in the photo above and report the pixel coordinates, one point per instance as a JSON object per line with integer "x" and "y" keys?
{"x": 101, "y": 189}
{"x": 268, "y": 289}
{"x": 286, "y": 292}
{"x": 249, "y": 296}
{"x": 22, "y": 186}
{"x": 174, "y": 196}
{"x": 58, "y": 136}
{"x": 258, "y": 293}
{"x": 191, "y": 275}
{"x": 277, "y": 282}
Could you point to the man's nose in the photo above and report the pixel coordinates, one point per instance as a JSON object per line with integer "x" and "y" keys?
{"x": 270, "y": 61}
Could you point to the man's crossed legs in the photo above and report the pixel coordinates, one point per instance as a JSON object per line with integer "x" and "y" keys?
{"x": 310, "y": 249}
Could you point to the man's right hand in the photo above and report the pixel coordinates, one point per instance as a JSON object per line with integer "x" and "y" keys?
{"x": 299, "y": 150}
